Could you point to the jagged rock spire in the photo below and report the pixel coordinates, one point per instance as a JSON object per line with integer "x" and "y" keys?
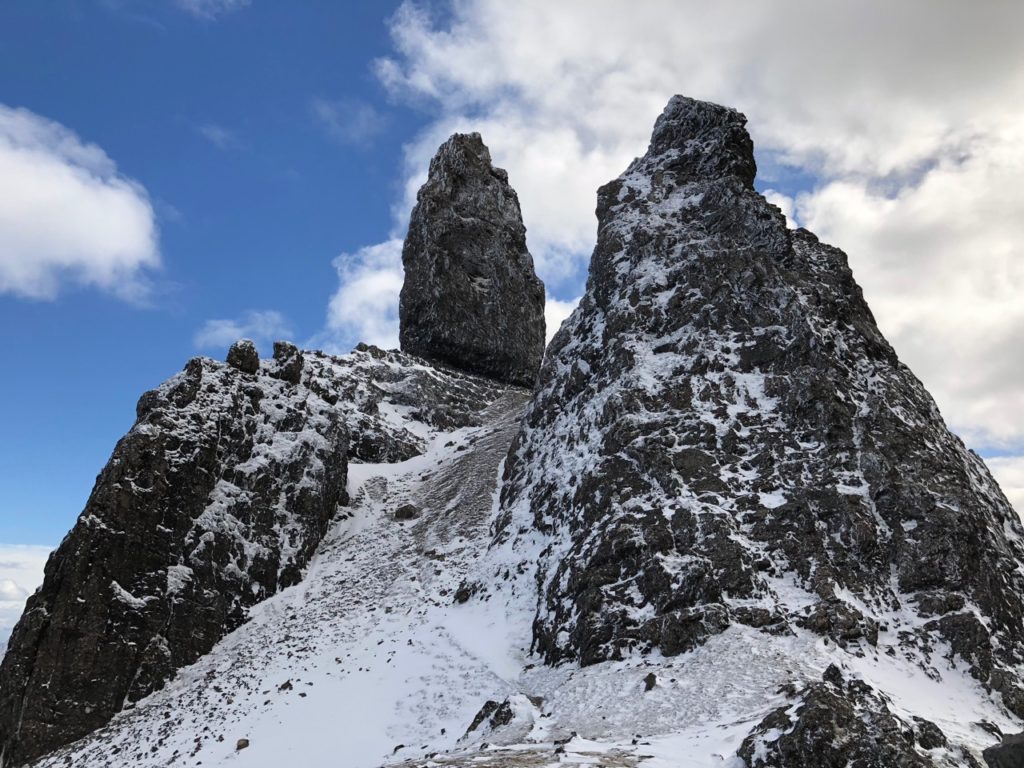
{"x": 471, "y": 299}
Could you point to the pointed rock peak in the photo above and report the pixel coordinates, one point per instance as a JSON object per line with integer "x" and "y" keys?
{"x": 464, "y": 154}
{"x": 722, "y": 439}
{"x": 471, "y": 299}
{"x": 701, "y": 141}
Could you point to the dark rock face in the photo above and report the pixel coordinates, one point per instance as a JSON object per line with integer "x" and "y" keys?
{"x": 493, "y": 714}
{"x": 289, "y": 361}
{"x": 214, "y": 501}
{"x": 1009, "y": 753}
{"x": 721, "y": 417}
{"x": 471, "y": 299}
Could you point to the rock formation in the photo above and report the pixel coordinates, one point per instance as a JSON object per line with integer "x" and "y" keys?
{"x": 732, "y": 527}
{"x": 722, "y": 436}
{"x": 214, "y": 501}
{"x": 471, "y": 299}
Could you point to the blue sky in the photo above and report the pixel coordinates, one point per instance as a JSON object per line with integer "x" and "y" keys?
{"x": 254, "y": 194}
{"x": 274, "y": 149}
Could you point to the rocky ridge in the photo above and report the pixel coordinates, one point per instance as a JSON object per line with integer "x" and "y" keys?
{"x": 471, "y": 299}
{"x": 215, "y": 499}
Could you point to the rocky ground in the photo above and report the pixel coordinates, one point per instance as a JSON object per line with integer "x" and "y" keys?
{"x": 398, "y": 637}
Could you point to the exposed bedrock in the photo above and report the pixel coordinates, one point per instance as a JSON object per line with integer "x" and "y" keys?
{"x": 215, "y": 500}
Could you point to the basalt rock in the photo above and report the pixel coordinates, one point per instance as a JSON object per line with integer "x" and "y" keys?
{"x": 1009, "y": 753}
{"x": 471, "y": 299}
{"x": 720, "y": 426}
{"x": 289, "y": 362}
{"x": 214, "y": 500}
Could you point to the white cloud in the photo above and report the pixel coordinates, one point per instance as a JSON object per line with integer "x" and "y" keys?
{"x": 555, "y": 313}
{"x": 785, "y": 203}
{"x": 365, "y": 306}
{"x": 942, "y": 265}
{"x": 1009, "y": 473}
{"x": 10, "y": 590}
{"x": 909, "y": 115}
{"x": 21, "y": 571}
{"x": 217, "y": 135}
{"x": 210, "y": 9}
{"x": 67, "y": 215}
{"x": 263, "y": 327}
{"x": 348, "y": 122}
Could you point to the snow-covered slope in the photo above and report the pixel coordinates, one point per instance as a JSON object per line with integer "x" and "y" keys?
{"x": 370, "y": 651}
{"x": 214, "y": 501}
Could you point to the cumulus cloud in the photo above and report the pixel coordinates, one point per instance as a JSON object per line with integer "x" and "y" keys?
{"x": 903, "y": 122}
{"x": 348, "y": 122}
{"x": 263, "y": 327}
{"x": 210, "y": 9}
{"x": 942, "y": 265}
{"x": 21, "y": 571}
{"x": 555, "y": 313}
{"x": 67, "y": 215}
{"x": 1009, "y": 473}
{"x": 365, "y": 306}
{"x": 11, "y": 590}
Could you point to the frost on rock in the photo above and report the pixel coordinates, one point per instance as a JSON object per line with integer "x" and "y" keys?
{"x": 215, "y": 500}
{"x": 721, "y": 436}
{"x": 471, "y": 299}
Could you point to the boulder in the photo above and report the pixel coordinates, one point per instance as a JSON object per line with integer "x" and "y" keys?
{"x": 288, "y": 362}
{"x": 243, "y": 356}
{"x": 1009, "y": 753}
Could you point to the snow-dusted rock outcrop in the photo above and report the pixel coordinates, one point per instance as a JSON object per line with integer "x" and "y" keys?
{"x": 471, "y": 299}
{"x": 215, "y": 500}
{"x": 371, "y": 656}
{"x": 723, "y": 437}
